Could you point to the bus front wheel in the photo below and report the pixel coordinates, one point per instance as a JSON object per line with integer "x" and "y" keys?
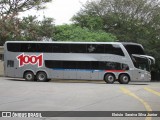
{"x": 29, "y": 76}
{"x": 109, "y": 78}
{"x": 41, "y": 77}
{"x": 124, "y": 79}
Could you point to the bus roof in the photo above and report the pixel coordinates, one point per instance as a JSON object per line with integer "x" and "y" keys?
{"x": 130, "y": 43}
{"x": 63, "y": 42}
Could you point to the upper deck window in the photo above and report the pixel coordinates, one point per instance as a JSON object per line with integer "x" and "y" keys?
{"x": 65, "y": 48}
{"x": 113, "y": 49}
{"x": 134, "y": 49}
{"x": 52, "y": 48}
{"x": 13, "y": 47}
{"x": 77, "y": 48}
{"x": 95, "y": 48}
{"x": 28, "y": 47}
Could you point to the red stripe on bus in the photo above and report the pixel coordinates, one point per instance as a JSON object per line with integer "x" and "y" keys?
{"x": 115, "y": 70}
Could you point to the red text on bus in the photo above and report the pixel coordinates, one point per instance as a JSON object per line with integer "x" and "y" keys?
{"x": 30, "y": 59}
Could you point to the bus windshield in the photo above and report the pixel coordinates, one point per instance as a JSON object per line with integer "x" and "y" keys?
{"x": 141, "y": 63}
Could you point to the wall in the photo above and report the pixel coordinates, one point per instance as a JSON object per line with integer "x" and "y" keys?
{"x": 1, "y": 62}
{"x": 1, "y": 68}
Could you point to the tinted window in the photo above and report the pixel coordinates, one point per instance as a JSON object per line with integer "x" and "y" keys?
{"x": 28, "y": 47}
{"x": 125, "y": 67}
{"x": 91, "y": 48}
{"x": 64, "y": 48}
{"x": 44, "y": 47}
{"x": 95, "y": 48}
{"x": 134, "y": 49}
{"x": 110, "y": 66}
{"x": 84, "y": 65}
{"x": 95, "y": 65}
{"x": 53, "y": 48}
{"x": 60, "y": 48}
{"x": 13, "y": 47}
{"x": 61, "y": 64}
{"x": 53, "y": 64}
{"x": 113, "y": 49}
{"x": 77, "y": 48}
{"x": 113, "y": 66}
{"x": 100, "y": 49}
{"x": 141, "y": 63}
{"x": 69, "y": 64}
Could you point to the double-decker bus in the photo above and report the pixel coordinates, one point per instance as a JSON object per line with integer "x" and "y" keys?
{"x": 108, "y": 61}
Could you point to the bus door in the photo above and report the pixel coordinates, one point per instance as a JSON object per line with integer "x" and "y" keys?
{"x": 9, "y": 68}
{"x": 17, "y": 70}
{"x": 12, "y": 69}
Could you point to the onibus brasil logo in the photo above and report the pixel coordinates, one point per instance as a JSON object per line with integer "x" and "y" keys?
{"x": 25, "y": 59}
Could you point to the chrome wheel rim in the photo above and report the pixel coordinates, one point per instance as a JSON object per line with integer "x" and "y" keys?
{"x": 29, "y": 76}
{"x": 125, "y": 78}
{"x": 41, "y": 77}
{"x": 110, "y": 78}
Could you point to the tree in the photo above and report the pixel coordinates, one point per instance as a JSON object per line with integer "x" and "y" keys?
{"x": 124, "y": 18}
{"x": 93, "y": 22}
{"x": 13, "y": 7}
{"x": 33, "y": 29}
{"x": 9, "y": 22}
{"x": 76, "y": 33}
{"x": 129, "y": 20}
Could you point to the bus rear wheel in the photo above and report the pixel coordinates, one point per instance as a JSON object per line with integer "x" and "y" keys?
{"x": 109, "y": 78}
{"x": 41, "y": 77}
{"x": 124, "y": 79}
{"x": 29, "y": 76}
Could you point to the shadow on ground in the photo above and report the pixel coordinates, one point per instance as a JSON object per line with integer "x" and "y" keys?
{"x": 81, "y": 81}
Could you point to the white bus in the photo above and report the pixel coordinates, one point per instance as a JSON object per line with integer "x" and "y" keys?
{"x": 108, "y": 61}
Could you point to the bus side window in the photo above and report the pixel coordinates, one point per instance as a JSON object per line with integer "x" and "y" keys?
{"x": 13, "y": 47}
{"x": 113, "y": 49}
{"x": 125, "y": 67}
{"x": 95, "y": 65}
{"x": 77, "y": 48}
{"x": 91, "y": 48}
{"x": 83, "y": 65}
{"x": 28, "y": 47}
{"x": 99, "y": 49}
{"x": 95, "y": 48}
{"x": 10, "y": 63}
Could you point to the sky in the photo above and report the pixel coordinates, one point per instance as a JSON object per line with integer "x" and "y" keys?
{"x": 61, "y": 10}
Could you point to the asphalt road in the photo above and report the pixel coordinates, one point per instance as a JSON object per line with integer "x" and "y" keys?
{"x": 66, "y": 95}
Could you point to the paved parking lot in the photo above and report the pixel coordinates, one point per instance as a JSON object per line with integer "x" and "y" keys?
{"x": 66, "y": 95}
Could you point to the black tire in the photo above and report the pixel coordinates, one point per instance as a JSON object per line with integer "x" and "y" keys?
{"x": 119, "y": 82}
{"x": 109, "y": 78}
{"x": 48, "y": 79}
{"x": 124, "y": 79}
{"x": 35, "y": 79}
{"x": 29, "y": 76}
{"x": 41, "y": 77}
